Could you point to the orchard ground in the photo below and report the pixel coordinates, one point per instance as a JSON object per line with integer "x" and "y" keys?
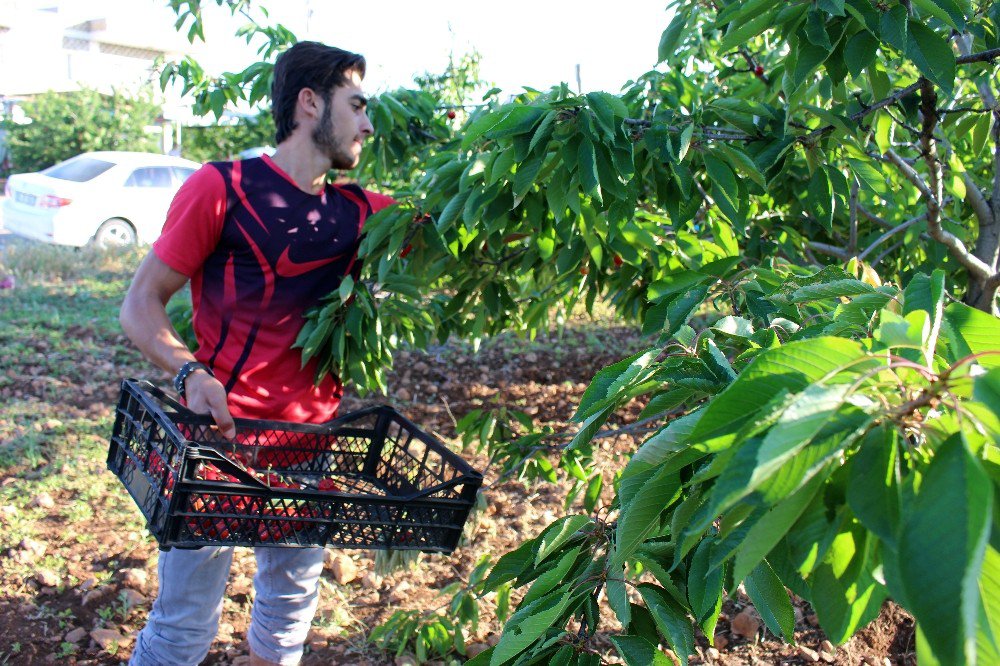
{"x": 77, "y": 568}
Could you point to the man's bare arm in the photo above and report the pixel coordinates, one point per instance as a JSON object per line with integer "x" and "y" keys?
{"x": 144, "y": 319}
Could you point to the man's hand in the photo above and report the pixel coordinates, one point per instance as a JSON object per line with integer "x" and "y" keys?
{"x": 207, "y": 395}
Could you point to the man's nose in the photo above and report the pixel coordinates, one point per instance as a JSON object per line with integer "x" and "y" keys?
{"x": 366, "y": 125}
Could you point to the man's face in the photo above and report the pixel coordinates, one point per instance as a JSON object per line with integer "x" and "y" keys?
{"x": 344, "y": 124}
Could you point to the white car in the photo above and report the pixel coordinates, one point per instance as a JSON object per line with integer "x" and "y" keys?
{"x": 106, "y": 198}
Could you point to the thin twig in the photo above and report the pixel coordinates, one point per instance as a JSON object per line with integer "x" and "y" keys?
{"x": 892, "y": 232}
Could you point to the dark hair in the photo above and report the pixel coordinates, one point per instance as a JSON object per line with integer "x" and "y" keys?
{"x": 307, "y": 65}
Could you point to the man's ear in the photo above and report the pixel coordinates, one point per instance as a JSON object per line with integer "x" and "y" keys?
{"x": 310, "y": 104}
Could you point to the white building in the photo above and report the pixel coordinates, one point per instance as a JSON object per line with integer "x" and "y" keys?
{"x": 64, "y": 45}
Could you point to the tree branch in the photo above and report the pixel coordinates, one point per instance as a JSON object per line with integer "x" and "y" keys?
{"x": 974, "y": 197}
{"x": 872, "y": 217}
{"x": 889, "y": 234}
{"x": 964, "y": 43}
{"x": 830, "y": 250}
{"x": 852, "y": 246}
{"x": 910, "y": 173}
{"x": 933, "y": 190}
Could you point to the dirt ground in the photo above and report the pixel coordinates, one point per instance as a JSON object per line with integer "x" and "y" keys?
{"x": 112, "y": 578}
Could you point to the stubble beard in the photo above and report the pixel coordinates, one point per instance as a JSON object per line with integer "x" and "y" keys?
{"x": 326, "y": 141}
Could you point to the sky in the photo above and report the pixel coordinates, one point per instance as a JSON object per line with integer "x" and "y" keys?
{"x": 522, "y": 42}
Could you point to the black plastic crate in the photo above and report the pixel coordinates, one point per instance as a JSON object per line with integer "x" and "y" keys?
{"x": 370, "y": 479}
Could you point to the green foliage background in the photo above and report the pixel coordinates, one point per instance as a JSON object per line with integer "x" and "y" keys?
{"x": 223, "y": 142}
{"x": 67, "y": 124}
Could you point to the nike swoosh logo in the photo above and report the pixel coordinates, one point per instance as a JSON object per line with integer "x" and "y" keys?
{"x": 287, "y": 268}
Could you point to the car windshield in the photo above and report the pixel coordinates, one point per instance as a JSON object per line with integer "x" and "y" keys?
{"x": 79, "y": 169}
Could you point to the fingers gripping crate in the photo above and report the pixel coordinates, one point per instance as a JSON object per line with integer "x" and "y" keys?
{"x": 370, "y": 479}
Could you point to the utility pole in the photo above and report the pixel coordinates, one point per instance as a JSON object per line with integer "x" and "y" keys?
{"x": 579, "y": 85}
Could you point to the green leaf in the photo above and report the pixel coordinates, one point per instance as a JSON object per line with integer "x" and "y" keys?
{"x": 772, "y": 527}
{"x": 674, "y": 283}
{"x": 667, "y": 441}
{"x": 670, "y": 619}
{"x": 641, "y": 514}
{"x": 791, "y": 368}
{"x": 816, "y": 29}
{"x": 771, "y": 600}
{"x": 972, "y": 331}
{"x": 614, "y": 380}
{"x": 587, "y": 169}
{"x": 618, "y": 597}
{"x": 819, "y": 194}
{"x": 511, "y": 565}
{"x": 869, "y": 177}
{"x": 873, "y": 484}
{"x": 832, "y": 289}
{"x": 894, "y": 27}
{"x": 704, "y": 588}
{"x": 519, "y": 120}
{"x": 725, "y": 191}
{"x": 860, "y": 52}
{"x": 557, "y": 534}
{"x": 835, "y": 7}
{"x": 672, "y": 36}
{"x": 932, "y": 55}
{"x": 986, "y": 390}
{"x": 946, "y": 10}
{"x": 844, "y": 592}
{"x": 546, "y": 582}
{"x": 528, "y": 625}
{"x": 637, "y": 651}
{"x": 740, "y": 32}
{"x": 943, "y": 539}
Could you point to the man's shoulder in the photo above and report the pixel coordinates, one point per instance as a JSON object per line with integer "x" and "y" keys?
{"x": 375, "y": 200}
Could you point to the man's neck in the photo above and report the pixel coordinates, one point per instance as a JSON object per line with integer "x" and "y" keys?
{"x": 298, "y": 157}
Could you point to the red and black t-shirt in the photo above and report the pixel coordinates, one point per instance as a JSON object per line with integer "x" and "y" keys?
{"x": 259, "y": 252}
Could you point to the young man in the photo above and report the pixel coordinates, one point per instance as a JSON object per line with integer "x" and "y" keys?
{"x": 260, "y": 240}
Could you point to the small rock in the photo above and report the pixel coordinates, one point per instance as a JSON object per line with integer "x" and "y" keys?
{"x": 32, "y": 547}
{"x": 42, "y": 501}
{"x": 87, "y": 584}
{"x": 343, "y": 568}
{"x": 136, "y": 579}
{"x": 827, "y": 657}
{"x": 106, "y": 637}
{"x": 421, "y": 367}
{"x": 808, "y": 654}
{"x": 473, "y": 649}
{"x": 76, "y": 635}
{"x": 720, "y": 641}
{"x": 531, "y": 357}
{"x": 403, "y": 395}
{"x": 133, "y": 598}
{"x": 713, "y": 654}
{"x": 406, "y": 660}
{"x": 746, "y": 623}
{"x": 93, "y": 595}
{"x": 47, "y": 578}
{"x": 52, "y": 424}
{"x": 827, "y": 646}
{"x": 317, "y": 644}
{"x": 886, "y": 661}
{"x": 8, "y": 511}
{"x": 371, "y": 581}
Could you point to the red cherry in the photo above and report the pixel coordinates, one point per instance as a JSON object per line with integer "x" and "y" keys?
{"x": 451, "y": 115}
{"x": 618, "y": 261}
{"x": 759, "y": 70}
{"x": 584, "y": 270}
{"x": 406, "y": 251}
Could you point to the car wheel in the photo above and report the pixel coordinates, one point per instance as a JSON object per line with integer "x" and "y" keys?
{"x": 115, "y": 232}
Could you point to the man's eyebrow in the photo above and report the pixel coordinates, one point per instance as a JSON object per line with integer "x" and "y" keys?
{"x": 358, "y": 97}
